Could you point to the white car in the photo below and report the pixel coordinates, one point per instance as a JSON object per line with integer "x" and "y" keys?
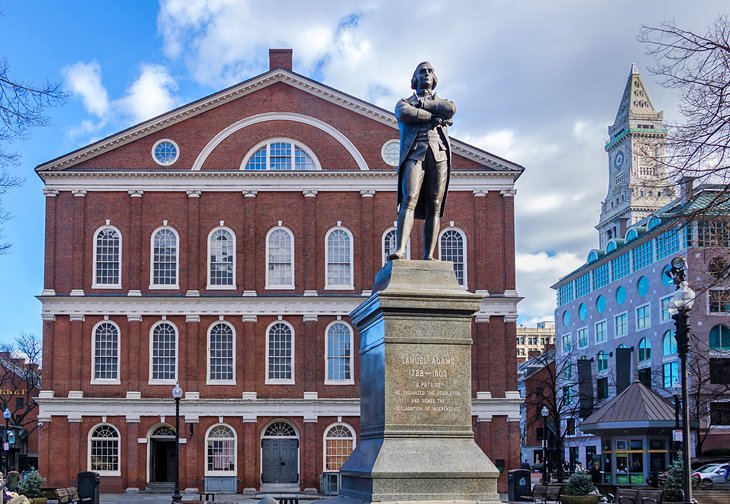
{"x": 712, "y": 473}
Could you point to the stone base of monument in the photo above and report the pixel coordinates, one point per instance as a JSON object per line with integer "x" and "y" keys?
{"x": 416, "y": 440}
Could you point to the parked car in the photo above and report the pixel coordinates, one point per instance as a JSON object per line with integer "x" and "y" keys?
{"x": 711, "y": 473}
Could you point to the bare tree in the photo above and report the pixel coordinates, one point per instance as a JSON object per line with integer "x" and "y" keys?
{"x": 698, "y": 67}
{"x": 22, "y": 108}
{"x": 20, "y": 379}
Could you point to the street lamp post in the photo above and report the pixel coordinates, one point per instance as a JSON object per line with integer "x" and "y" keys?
{"x": 177, "y": 393}
{"x": 6, "y": 441}
{"x": 544, "y": 412}
{"x": 679, "y": 308}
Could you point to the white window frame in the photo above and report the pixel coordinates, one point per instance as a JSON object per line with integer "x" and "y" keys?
{"x": 295, "y": 144}
{"x": 465, "y": 248}
{"x": 327, "y": 380}
{"x": 269, "y": 283}
{"x": 602, "y": 372}
{"x": 562, "y": 342}
{"x": 641, "y": 364}
{"x": 208, "y": 379}
{"x": 154, "y": 285}
{"x": 158, "y": 381}
{"x": 587, "y": 339}
{"x": 636, "y": 316}
{"x": 605, "y": 331}
{"x": 327, "y": 284}
{"x": 384, "y": 252}
{"x": 95, "y": 284}
{"x": 716, "y": 313}
{"x": 325, "y": 438}
{"x": 281, "y": 381}
{"x": 212, "y": 472}
{"x": 90, "y": 439}
{"x": 209, "y": 258}
{"x": 105, "y": 381}
{"x": 662, "y": 320}
{"x": 615, "y": 326}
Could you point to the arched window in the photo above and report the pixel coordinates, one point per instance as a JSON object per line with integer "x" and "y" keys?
{"x": 163, "y": 365}
{"x": 339, "y": 441}
{"x": 280, "y": 354}
{"x": 107, "y": 258}
{"x": 104, "y": 450}
{"x": 338, "y": 350}
{"x": 452, "y": 247}
{"x": 338, "y": 257}
{"x": 720, "y": 337}
{"x": 279, "y": 259}
{"x": 644, "y": 350}
{"x": 221, "y": 354}
{"x": 602, "y": 361}
{"x": 164, "y": 261}
{"x": 221, "y": 259}
{"x": 390, "y": 244}
{"x": 280, "y": 154}
{"x": 221, "y": 451}
{"x": 669, "y": 343}
{"x": 106, "y": 353}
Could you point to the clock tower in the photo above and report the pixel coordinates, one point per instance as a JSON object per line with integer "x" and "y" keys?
{"x": 637, "y": 180}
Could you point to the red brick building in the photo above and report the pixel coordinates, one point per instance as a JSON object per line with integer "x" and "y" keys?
{"x": 222, "y": 245}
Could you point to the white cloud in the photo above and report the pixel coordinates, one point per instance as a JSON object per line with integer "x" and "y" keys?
{"x": 84, "y": 81}
{"x": 535, "y": 273}
{"x": 150, "y": 95}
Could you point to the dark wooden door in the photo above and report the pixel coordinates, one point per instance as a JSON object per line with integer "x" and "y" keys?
{"x": 280, "y": 458}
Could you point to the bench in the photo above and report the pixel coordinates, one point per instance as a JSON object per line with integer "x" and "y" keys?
{"x": 639, "y": 496}
{"x": 546, "y": 493}
{"x": 66, "y": 495}
{"x": 209, "y": 496}
{"x": 288, "y": 500}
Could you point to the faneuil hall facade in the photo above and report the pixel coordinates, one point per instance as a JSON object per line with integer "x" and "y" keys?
{"x": 222, "y": 246}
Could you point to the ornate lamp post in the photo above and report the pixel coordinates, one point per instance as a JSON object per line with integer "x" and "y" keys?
{"x": 679, "y": 308}
{"x": 177, "y": 393}
{"x": 6, "y": 442}
{"x": 544, "y": 412}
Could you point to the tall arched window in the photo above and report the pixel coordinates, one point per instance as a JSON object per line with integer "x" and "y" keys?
{"x": 163, "y": 348}
{"x": 669, "y": 343}
{"x": 644, "y": 350}
{"x": 104, "y": 450}
{"x": 221, "y": 354}
{"x": 338, "y": 257}
{"x": 221, "y": 259}
{"x": 164, "y": 252}
{"x": 280, "y": 354}
{"x": 280, "y": 154}
{"x": 279, "y": 259}
{"x": 107, "y": 258}
{"x": 106, "y": 353}
{"x": 602, "y": 361}
{"x": 338, "y": 350}
{"x": 221, "y": 451}
{"x": 390, "y": 244}
{"x": 720, "y": 337}
{"x": 339, "y": 441}
{"x": 452, "y": 247}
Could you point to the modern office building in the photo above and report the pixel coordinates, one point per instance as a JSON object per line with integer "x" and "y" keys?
{"x": 534, "y": 339}
{"x": 222, "y": 246}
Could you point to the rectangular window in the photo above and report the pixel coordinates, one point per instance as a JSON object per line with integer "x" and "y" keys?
{"x": 565, "y": 294}
{"x": 620, "y": 267}
{"x": 643, "y": 255}
{"x": 582, "y": 285}
{"x": 567, "y": 342}
{"x": 570, "y": 427}
{"x": 582, "y": 337}
{"x": 645, "y": 376}
{"x": 664, "y": 315}
{"x": 670, "y": 372}
{"x": 601, "y": 331}
{"x": 643, "y": 317}
{"x": 713, "y": 234}
{"x": 720, "y": 371}
{"x": 720, "y": 413}
{"x": 568, "y": 394}
{"x": 600, "y": 276}
{"x": 621, "y": 325}
{"x": 667, "y": 244}
{"x": 602, "y": 388}
{"x": 720, "y": 301}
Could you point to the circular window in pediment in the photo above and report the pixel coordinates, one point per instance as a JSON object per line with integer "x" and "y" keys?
{"x": 391, "y": 152}
{"x": 165, "y": 152}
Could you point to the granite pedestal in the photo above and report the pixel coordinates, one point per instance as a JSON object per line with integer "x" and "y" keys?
{"x": 416, "y": 441}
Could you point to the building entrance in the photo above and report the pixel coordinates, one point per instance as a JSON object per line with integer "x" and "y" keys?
{"x": 162, "y": 455}
{"x": 280, "y": 454}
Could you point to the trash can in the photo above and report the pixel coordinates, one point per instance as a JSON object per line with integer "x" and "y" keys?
{"x": 519, "y": 484}
{"x": 87, "y": 483}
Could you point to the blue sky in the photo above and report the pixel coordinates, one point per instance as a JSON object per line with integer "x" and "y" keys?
{"x": 536, "y": 82}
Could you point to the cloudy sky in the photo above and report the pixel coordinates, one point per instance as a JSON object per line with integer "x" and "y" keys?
{"x": 536, "y": 82}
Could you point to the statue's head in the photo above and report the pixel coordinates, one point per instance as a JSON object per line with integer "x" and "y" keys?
{"x": 425, "y": 79}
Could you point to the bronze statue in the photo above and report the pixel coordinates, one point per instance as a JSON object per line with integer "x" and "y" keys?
{"x": 425, "y": 160}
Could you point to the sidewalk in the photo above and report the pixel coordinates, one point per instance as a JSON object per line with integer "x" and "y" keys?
{"x": 155, "y": 498}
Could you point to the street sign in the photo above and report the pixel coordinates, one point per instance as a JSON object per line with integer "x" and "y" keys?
{"x": 677, "y": 435}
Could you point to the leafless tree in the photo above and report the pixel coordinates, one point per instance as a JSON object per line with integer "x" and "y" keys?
{"x": 698, "y": 67}
{"x": 20, "y": 379}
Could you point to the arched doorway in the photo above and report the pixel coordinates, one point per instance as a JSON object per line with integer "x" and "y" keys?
{"x": 280, "y": 454}
{"x": 162, "y": 455}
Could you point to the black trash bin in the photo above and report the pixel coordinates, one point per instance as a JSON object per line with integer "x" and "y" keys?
{"x": 519, "y": 484}
{"x": 87, "y": 484}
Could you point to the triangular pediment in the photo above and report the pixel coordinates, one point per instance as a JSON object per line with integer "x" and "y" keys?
{"x": 237, "y": 91}
{"x": 635, "y": 100}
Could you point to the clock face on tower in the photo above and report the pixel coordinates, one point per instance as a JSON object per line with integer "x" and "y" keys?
{"x": 618, "y": 160}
